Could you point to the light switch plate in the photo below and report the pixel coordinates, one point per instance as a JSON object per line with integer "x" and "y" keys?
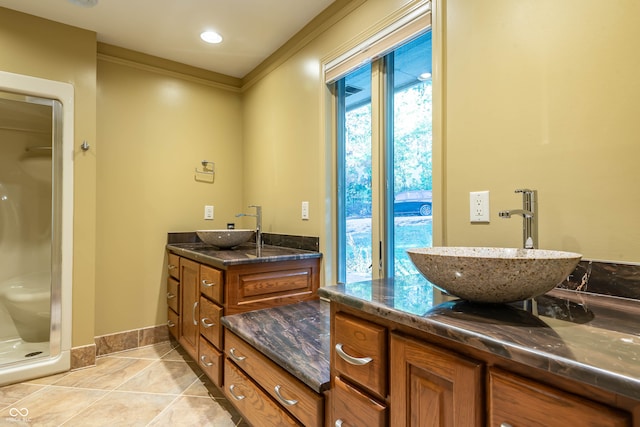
{"x": 208, "y": 212}
{"x": 479, "y": 206}
{"x": 305, "y": 210}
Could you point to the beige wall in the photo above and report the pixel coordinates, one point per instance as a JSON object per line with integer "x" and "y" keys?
{"x": 41, "y": 48}
{"x": 544, "y": 94}
{"x": 537, "y": 93}
{"x": 154, "y": 130}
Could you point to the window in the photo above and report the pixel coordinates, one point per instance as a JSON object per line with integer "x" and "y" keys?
{"x": 384, "y": 162}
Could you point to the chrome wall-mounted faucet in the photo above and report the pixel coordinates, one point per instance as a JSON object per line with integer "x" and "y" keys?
{"x": 529, "y": 217}
{"x": 258, "y": 216}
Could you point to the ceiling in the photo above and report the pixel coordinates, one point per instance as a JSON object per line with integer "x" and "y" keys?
{"x": 170, "y": 29}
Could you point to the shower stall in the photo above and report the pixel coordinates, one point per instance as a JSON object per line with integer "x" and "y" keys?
{"x": 36, "y": 190}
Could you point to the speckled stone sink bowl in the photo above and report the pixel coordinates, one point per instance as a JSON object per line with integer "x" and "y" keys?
{"x": 494, "y": 275}
{"x": 225, "y": 238}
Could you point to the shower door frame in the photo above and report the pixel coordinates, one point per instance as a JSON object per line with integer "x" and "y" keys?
{"x": 62, "y": 227}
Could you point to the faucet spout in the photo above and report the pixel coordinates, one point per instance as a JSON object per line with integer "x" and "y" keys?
{"x": 529, "y": 218}
{"x": 258, "y": 217}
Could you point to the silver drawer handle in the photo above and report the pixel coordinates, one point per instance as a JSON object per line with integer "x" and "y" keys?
{"x": 171, "y": 266}
{"x": 193, "y": 313}
{"x": 359, "y": 361}
{"x": 202, "y": 360}
{"x": 170, "y": 295}
{"x": 205, "y": 323}
{"x": 234, "y": 356}
{"x": 282, "y": 400}
{"x": 505, "y": 425}
{"x": 170, "y": 324}
{"x": 207, "y": 284}
{"x": 338, "y": 423}
{"x": 236, "y": 397}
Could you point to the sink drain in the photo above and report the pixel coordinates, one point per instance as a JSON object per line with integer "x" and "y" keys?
{"x": 34, "y": 353}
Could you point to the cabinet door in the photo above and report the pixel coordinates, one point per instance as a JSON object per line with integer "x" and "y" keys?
{"x": 190, "y": 290}
{"x": 517, "y": 402}
{"x": 433, "y": 387}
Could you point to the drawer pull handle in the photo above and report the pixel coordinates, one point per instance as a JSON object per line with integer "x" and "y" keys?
{"x": 359, "y": 361}
{"x": 338, "y": 423}
{"x": 193, "y": 314}
{"x": 231, "y": 392}
{"x": 505, "y": 425}
{"x": 234, "y": 356}
{"x": 170, "y": 324}
{"x": 207, "y": 284}
{"x": 282, "y": 400}
{"x": 170, "y": 295}
{"x": 171, "y": 266}
{"x": 206, "y": 364}
{"x": 205, "y": 323}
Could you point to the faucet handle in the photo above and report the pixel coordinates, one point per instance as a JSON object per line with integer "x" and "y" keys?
{"x": 524, "y": 190}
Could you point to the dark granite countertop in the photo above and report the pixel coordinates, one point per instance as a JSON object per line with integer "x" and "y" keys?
{"x": 243, "y": 254}
{"x": 589, "y": 338}
{"x": 295, "y": 337}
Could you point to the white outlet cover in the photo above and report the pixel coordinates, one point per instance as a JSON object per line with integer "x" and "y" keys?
{"x": 479, "y": 206}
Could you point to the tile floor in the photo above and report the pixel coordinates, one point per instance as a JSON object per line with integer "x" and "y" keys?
{"x": 158, "y": 385}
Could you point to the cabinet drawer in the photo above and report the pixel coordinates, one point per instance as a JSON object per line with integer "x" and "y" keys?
{"x": 173, "y": 265}
{"x": 360, "y": 353}
{"x": 256, "y": 406}
{"x": 353, "y": 408}
{"x": 302, "y": 402}
{"x": 210, "y": 326}
{"x": 173, "y": 294}
{"x": 517, "y": 401}
{"x": 210, "y": 361}
{"x": 211, "y": 281}
{"x": 173, "y": 323}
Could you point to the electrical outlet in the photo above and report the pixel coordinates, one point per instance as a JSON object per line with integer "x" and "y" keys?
{"x": 479, "y": 206}
{"x": 208, "y": 212}
{"x": 305, "y": 210}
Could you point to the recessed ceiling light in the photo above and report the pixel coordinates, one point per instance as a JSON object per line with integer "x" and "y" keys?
{"x": 211, "y": 37}
{"x": 424, "y": 76}
{"x": 84, "y": 3}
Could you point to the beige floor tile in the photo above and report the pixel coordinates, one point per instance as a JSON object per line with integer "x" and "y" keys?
{"x": 108, "y": 374}
{"x": 122, "y": 409}
{"x": 51, "y": 379}
{"x": 12, "y": 393}
{"x": 155, "y": 351}
{"x": 203, "y": 387}
{"x": 178, "y": 354}
{"x": 51, "y": 406}
{"x": 194, "y": 411}
{"x": 164, "y": 376}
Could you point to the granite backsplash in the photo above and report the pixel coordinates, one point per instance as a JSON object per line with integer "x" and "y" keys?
{"x": 605, "y": 278}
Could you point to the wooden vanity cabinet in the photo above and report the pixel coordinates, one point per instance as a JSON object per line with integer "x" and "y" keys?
{"x": 198, "y": 295}
{"x": 436, "y": 383}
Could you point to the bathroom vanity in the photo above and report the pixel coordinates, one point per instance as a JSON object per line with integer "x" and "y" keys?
{"x": 204, "y": 283}
{"x": 401, "y": 354}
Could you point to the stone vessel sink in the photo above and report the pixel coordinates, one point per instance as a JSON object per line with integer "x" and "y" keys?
{"x": 494, "y": 275}
{"x": 225, "y": 238}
